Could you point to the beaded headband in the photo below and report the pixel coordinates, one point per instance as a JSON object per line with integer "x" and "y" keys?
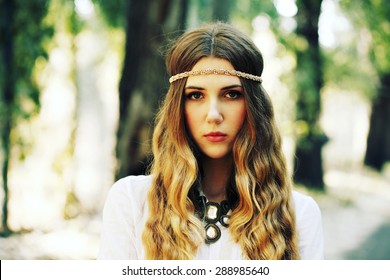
{"x": 217, "y": 72}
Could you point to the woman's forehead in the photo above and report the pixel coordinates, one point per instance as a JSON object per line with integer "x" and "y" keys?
{"x": 211, "y": 62}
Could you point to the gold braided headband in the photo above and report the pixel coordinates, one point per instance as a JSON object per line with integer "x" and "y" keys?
{"x": 215, "y": 71}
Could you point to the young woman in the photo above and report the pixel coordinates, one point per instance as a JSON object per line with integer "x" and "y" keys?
{"x": 218, "y": 187}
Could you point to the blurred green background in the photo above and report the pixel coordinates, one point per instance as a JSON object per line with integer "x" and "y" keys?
{"x": 80, "y": 82}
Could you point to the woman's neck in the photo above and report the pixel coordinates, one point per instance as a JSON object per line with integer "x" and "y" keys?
{"x": 215, "y": 180}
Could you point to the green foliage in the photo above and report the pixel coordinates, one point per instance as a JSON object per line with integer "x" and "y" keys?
{"x": 203, "y": 9}
{"x": 346, "y": 68}
{"x": 247, "y": 10}
{"x": 374, "y": 15}
{"x": 29, "y": 37}
{"x": 113, "y": 11}
{"x": 63, "y": 17}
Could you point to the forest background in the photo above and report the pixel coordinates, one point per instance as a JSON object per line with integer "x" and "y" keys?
{"x": 80, "y": 82}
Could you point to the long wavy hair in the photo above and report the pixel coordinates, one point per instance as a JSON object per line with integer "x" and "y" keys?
{"x": 263, "y": 222}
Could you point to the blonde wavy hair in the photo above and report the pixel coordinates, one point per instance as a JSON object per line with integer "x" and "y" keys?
{"x": 263, "y": 223}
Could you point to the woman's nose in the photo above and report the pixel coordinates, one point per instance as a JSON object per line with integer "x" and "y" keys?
{"x": 214, "y": 114}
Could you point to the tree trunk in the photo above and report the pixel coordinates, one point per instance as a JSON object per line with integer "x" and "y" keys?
{"x": 144, "y": 80}
{"x": 308, "y": 161}
{"x": 6, "y": 102}
{"x": 378, "y": 141}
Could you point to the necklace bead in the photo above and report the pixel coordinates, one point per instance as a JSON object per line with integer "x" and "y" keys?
{"x": 224, "y": 220}
{"x": 212, "y": 212}
{"x": 213, "y": 233}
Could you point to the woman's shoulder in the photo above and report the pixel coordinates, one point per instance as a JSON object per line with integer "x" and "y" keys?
{"x": 134, "y": 181}
{"x": 132, "y": 187}
{"x": 305, "y": 204}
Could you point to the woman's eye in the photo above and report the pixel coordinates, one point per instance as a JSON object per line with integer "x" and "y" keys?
{"x": 194, "y": 95}
{"x": 233, "y": 94}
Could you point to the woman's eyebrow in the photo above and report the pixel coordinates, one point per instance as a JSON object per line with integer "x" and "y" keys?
{"x": 194, "y": 87}
{"x": 232, "y": 86}
{"x": 224, "y": 88}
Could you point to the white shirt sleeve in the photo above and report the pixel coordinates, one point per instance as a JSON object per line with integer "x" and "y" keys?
{"x": 118, "y": 234}
{"x": 309, "y": 226}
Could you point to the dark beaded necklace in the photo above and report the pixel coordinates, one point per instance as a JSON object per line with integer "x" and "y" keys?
{"x": 211, "y": 213}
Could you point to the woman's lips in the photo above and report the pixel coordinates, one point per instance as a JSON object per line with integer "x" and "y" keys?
{"x": 215, "y": 136}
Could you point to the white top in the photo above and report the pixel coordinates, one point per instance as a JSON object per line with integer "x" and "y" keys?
{"x": 126, "y": 211}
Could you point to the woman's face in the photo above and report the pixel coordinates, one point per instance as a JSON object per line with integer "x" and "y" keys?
{"x": 214, "y": 108}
